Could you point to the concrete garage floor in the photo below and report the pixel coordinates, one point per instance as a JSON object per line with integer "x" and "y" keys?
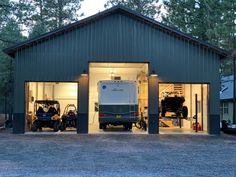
{"x": 120, "y": 130}
{"x": 177, "y": 130}
{"x": 117, "y": 155}
{"x": 94, "y": 129}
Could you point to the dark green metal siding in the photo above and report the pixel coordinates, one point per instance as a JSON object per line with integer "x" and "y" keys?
{"x": 117, "y": 38}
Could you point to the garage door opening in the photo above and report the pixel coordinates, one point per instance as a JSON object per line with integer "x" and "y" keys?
{"x": 51, "y": 106}
{"x": 183, "y": 108}
{"x": 118, "y": 97}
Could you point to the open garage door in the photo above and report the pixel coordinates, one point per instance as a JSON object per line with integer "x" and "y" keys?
{"x": 51, "y": 106}
{"x": 183, "y": 107}
{"x": 118, "y": 97}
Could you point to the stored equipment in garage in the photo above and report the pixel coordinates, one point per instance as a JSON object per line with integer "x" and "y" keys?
{"x": 174, "y": 106}
{"x": 183, "y": 106}
{"x": 118, "y": 103}
{"x": 53, "y": 95}
{"x": 47, "y": 114}
{"x": 69, "y": 117}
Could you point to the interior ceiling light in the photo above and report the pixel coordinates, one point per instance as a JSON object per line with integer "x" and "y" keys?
{"x": 112, "y": 74}
{"x": 84, "y": 73}
{"x": 153, "y": 73}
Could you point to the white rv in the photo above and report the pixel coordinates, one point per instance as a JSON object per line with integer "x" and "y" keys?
{"x": 118, "y": 103}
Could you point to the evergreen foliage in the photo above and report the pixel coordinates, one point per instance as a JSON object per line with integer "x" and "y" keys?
{"x": 213, "y": 21}
{"x": 146, "y": 7}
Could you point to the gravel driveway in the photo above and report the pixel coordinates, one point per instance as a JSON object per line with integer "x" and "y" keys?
{"x": 117, "y": 155}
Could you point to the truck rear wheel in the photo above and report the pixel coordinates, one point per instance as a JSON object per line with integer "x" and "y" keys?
{"x": 102, "y": 126}
{"x": 130, "y": 126}
{"x": 126, "y": 127}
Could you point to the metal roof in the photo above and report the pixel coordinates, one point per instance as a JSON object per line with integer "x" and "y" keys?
{"x": 116, "y": 9}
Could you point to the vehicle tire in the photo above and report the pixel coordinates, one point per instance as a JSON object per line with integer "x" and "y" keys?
{"x": 185, "y": 111}
{"x": 144, "y": 125}
{"x": 34, "y": 127}
{"x": 56, "y": 126}
{"x": 163, "y": 110}
{"x": 130, "y": 125}
{"x": 62, "y": 127}
{"x": 104, "y": 126}
{"x": 126, "y": 126}
{"x": 40, "y": 129}
{"x": 224, "y": 125}
{"x": 100, "y": 125}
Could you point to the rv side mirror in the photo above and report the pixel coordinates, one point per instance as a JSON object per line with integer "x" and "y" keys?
{"x": 96, "y": 107}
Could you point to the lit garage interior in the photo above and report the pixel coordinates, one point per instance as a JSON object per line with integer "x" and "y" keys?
{"x": 117, "y": 71}
{"x": 194, "y": 97}
{"x": 92, "y": 49}
{"x": 63, "y": 96}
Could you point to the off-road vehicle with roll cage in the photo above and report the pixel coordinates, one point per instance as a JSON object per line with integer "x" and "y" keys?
{"x": 46, "y": 114}
{"x": 69, "y": 117}
{"x": 172, "y": 103}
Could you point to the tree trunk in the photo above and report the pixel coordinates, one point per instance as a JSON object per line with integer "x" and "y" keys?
{"x": 60, "y": 9}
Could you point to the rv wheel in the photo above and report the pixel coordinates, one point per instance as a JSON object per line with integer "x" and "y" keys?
{"x": 104, "y": 126}
{"x": 130, "y": 125}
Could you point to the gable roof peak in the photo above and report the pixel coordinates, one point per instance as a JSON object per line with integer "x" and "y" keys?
{"x": 118, "y": 8}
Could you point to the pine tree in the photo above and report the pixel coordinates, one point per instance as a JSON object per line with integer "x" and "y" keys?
{"x": 4, "y": 16}
{"x": 213, "y": 21}
{"x": 10, "y": 33}
{"x": 51, "y": 14}
{"x": 22, "y": 12}
{"x": 210, "y": 20}
{"x": 228, "y": 26}
{"x": 39, "y": 19}
{"x": 146, "y": 7}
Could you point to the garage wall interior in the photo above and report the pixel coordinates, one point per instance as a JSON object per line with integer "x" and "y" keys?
{"x": 115, "y": 35}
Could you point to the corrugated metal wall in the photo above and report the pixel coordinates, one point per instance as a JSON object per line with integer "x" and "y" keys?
{"x": 122, "y": 39}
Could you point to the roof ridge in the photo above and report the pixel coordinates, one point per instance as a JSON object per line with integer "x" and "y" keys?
{"x": 118, "y": 8}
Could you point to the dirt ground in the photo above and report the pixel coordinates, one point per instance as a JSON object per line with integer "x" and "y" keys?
{"x": 117, "y": 155}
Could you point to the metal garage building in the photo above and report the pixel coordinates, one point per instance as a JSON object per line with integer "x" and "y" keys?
{"x": 117, "y": 35}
